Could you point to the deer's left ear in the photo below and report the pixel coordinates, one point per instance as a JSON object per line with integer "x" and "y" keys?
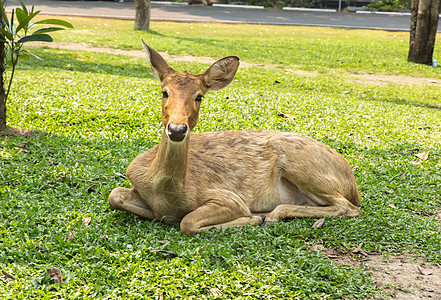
{"x": 221, "y": 73}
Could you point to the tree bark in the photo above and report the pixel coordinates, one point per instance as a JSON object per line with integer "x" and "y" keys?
{"x": 3, "y": 125}
{"x": 423, "y": 26}
{"x": 142, "y": 14}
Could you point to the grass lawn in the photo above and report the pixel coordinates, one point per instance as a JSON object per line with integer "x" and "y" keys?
{"x": 101, "y": 110}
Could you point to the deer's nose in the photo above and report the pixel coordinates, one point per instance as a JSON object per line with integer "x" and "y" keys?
{"x": 177, "y": 132}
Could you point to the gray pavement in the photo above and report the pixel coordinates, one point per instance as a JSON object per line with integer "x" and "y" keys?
{"x": 198, "y": 13}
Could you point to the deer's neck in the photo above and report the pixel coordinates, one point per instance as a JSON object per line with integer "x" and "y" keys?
{"x": 171, "y": 160}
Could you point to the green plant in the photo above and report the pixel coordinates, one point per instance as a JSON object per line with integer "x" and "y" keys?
{"x": 14, "y": 37}
{"x": 389, "y": 5}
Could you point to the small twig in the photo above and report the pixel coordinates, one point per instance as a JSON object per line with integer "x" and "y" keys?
{"x": 93, "y": 181}
{"x": 8, "y": 276}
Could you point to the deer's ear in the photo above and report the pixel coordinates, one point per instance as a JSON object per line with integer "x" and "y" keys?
{"x": 221, "y": 73}
{"x": 160, "y": 68}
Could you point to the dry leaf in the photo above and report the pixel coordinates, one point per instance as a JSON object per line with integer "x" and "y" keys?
{"x": 120, "y": 175}
{"x": 288, "y": 116}
{"x": 358, "y": 250}
{"x": 424, "y": 272}
{"x": 8, "y": 277}
{"x": 86, "y": 221}
{"x": 389, "y": 192}
{"x": 161, "y": 296}
{"x": 164, "y": 251}
{"x": 216, "y": 292}
{"x": 105, "y": 236}
{"x": 162, "y": 242}
{"x": 70, "y": 235}
{"x": 56, "y": 274}
{"x": 392, "y": 206}
{"x": 129, "y": 246}
{"x": 319, "y": 223}
{"x": 432, "y": 81}
{"x": 355, "y": 168}
{"x": 416, "y": 162}
{"x": 423, "y": 155}
{"x": 22, "y": 149}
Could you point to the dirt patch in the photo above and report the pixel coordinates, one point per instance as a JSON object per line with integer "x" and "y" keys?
{"x": 369, "y": 79}
{"x": 385, "y": 79}
{"x": 402, "y": 276}
{"x": 133, "y": 53}
{"x": 21, "y": 132}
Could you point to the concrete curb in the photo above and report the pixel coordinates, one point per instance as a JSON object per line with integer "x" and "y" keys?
{"x": 238, "y": 6}
{"x": 309, "y": 9}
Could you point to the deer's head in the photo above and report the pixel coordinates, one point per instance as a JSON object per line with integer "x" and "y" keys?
{"x": 182, "y": 92}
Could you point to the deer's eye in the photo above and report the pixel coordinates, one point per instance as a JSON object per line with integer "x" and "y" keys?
{"x": 164, "y": 94}
{"x": 199, "y": 98}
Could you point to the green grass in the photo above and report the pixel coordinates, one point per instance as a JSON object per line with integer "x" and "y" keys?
{"x": 100, "y": 111}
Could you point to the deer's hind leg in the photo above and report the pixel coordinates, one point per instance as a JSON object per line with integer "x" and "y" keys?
{"x": 338, "y": 206}
{"x": 129, "y": 200}
{"x": 222, "y": 209}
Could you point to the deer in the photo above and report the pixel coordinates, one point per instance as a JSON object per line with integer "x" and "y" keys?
{"x": 222, "y": 179}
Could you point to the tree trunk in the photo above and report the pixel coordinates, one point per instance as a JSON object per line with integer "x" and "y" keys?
{"x": 142, "y": 15}
{"x": 423, "y": 27}
{"x": 2, "y": 83}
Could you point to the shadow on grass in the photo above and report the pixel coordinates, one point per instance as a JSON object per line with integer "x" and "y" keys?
{"x": 73, "y": 62}
{"x": 403, "y": 102}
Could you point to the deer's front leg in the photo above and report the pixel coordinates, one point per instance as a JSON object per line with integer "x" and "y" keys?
{"x": 130, "y": 201}
{"x": 222, "y": 209}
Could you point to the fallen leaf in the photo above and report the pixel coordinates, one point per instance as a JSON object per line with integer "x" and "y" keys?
{"x": 216, "y": 292}
{"x": 288, "y": 116}
{"x": 70, "y": 235}
{"x": 39, "y": 249}
{"x": 129, "y": 246}
{"x": 161, "y": 296}
{"x": 389, "y": 192}
{"x": 8, "y": 277}
{"x": 56, "y": 274}
{"x": 276, "y": 81}
{"x": 424, "y": 272}
{"x": 432, "y": 81}
{"x": 423, "y": 155}
{"x": 354, "y": 169}
{"x": 120, "y": 175}
{"x": 105, "y": 236}
{"x": 392, "y": 206}
{"x": 319, "y": 223}
{"x": 22, "y": 149}
{"x": 416, "y": 162}
{"x": 162, "y": 242}
{"x": 86, "y": 221}
{"x": 164, "y": 251}
{"x": 358, "y": 250}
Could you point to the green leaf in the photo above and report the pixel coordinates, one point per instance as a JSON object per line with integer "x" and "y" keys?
{"x": 23, "y": 55}
{"x": 55, "y": 22}
{"x": 6, "y": 33}
{"x": 36, "y": 38}
{"x": 49, "y": 29}
{"x": 24, "y": 8}
{"x": 23, "y": 19}
{"x": 2, "y": 8}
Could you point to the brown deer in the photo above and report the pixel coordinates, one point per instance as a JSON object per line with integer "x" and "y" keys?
{"x": 229, "y": 178}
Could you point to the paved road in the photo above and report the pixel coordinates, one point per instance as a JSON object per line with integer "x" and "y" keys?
{"x": 196, "y": 13}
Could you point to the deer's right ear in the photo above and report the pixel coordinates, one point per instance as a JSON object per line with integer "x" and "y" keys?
{"x": 160, "y": 68}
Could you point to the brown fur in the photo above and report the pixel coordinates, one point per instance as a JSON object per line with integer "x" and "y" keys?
{"x": 222, "y": 179}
